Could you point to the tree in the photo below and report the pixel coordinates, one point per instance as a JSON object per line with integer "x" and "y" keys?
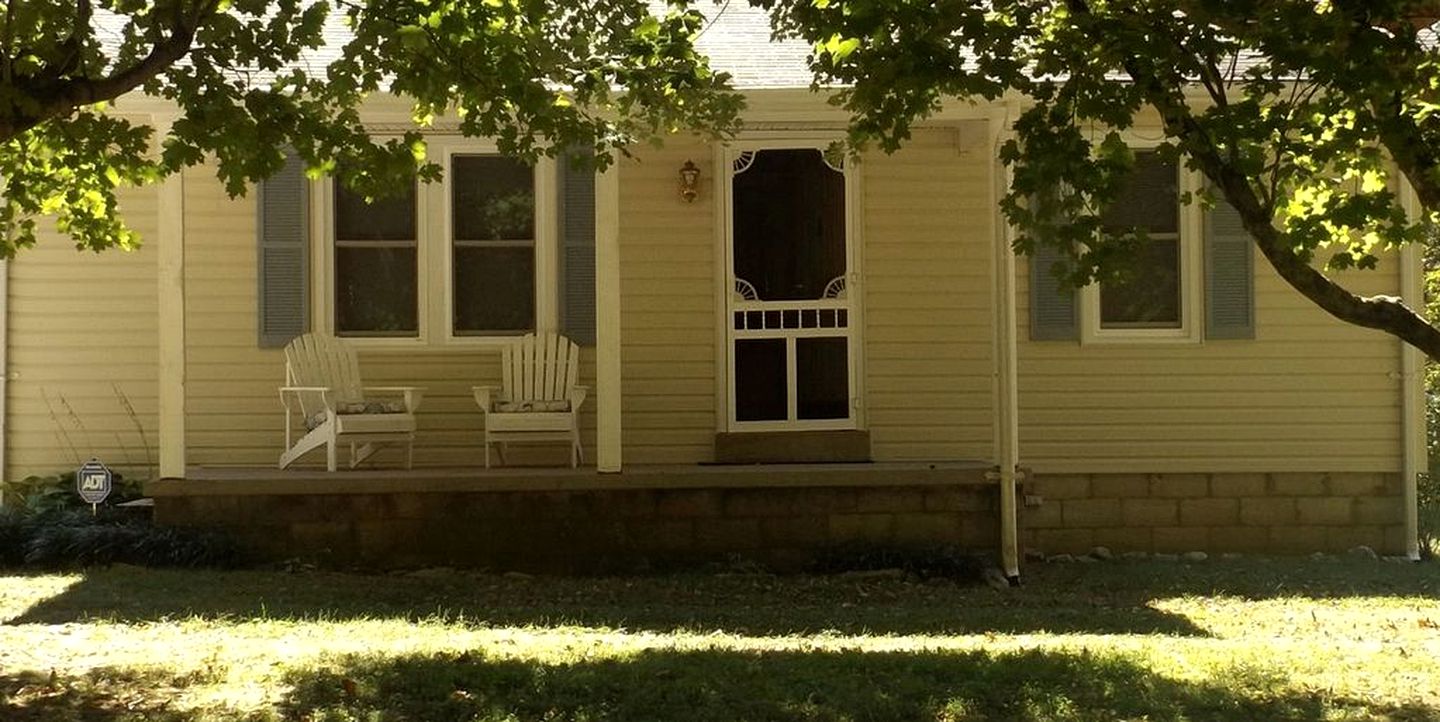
{"x": 1296, "y": 111}
{"x": 251, "y": 78}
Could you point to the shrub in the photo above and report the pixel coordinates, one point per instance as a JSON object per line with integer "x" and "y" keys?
{"x": 68, "y": 538}
{"x": 15, "y": 531}
{"x": 1429, "y": 493}
{"x": 42, "y": 494}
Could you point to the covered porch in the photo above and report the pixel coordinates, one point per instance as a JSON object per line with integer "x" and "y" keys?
{"x": 656, "y": 388}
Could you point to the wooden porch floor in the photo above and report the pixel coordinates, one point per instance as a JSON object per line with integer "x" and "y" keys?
{"x": 201, "y": 481}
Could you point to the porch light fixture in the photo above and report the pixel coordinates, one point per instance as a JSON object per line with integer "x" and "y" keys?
{"x": 689, "y": 181}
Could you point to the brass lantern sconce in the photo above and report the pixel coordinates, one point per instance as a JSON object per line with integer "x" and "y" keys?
{"x": 689, "y": 182}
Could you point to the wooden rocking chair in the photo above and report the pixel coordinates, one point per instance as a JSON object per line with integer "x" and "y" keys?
{"x": 539, "y": 400}
{"x": 322, "y": 382}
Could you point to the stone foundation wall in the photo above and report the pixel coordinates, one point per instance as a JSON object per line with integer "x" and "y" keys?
{"x": 1290, "y": 513}
{"x": 592, "y": 531}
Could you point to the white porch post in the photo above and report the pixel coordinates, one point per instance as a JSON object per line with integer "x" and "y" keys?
{"x": 1006, "y": 372}
{"x": 170, "y": 240}
{"x": 607, "y": 319}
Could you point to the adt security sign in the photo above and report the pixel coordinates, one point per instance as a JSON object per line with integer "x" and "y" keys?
{"x": 94, "y": 481}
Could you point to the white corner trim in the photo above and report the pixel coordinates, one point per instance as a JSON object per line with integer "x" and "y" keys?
{"x": 4, "y": 365}
{"x": 1415, "y": 456}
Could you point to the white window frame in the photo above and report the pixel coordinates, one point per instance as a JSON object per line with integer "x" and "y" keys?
{"x": 434, "y": 255}
{"x": 1191, "y": 276}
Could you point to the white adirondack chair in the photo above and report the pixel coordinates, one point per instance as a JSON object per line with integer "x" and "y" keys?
{"x": 322, "y": 382}
{"x": 539, "y": 400}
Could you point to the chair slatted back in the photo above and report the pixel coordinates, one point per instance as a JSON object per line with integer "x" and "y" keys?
{"x": 540, "y": 367}
{"x": 319, "y": 360}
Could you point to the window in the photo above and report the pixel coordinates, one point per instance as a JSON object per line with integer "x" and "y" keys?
{"x": 463, "y": 260}
{"x": 1158, "y": 300}
{"x": 376, "y": 255}
{"x": 493, "y": 235}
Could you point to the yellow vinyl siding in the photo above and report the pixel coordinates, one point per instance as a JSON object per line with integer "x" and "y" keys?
{"x": 234, "y": 415}
{"x": 82, "y": 353}
{"x": 926, "y": 279}
{"x": 667, "y": 308}
{"x": 1310, "y": 393}
{"x": 925, "y": 233}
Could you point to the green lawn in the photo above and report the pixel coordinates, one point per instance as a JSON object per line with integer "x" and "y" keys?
{"x": 1219, "y": 640}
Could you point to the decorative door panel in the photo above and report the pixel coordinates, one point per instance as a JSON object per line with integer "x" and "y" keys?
{"x": 791, "y": 342}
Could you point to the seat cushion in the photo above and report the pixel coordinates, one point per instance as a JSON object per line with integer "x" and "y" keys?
{"x": 357, "y": 407}
{"x": 526, "y": 407}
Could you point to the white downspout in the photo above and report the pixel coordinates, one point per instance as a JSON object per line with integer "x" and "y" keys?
{"x": 1005, "y": 372}
{"x": 1412, "y": 383}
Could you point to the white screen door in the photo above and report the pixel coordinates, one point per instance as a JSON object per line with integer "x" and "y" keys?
{"x": 791, "y": 316}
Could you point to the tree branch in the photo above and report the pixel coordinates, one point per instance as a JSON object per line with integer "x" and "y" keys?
{"x": 58, "y": 96}
{"x": 1383, "y": 313}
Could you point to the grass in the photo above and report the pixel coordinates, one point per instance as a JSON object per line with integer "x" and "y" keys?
{"x": 1221, "y": 640}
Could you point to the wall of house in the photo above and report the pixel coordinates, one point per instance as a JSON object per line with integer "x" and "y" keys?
{"x": 81, "y": 353}
{"x": 1309, "y": 393}
{"x": 667, "y": 307}
{"x": 926, "y": 276}
{"x": 1287, "y": 443}
{"x": 234, "y": 416}
{"x": 925, "y": 234}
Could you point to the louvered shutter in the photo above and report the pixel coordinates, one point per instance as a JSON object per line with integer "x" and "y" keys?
{"x": 1052, "y": 308}
{"x": 577, "y": 252}
{"x": 1229, "y": 275}
{"x": 283, "y": 267}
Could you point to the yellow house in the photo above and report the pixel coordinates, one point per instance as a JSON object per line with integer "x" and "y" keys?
{"x": 785, "y": 354}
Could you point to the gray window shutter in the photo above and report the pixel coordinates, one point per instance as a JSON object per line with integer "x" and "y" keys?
{"x": 284, "y": 252}
{"x": 1052, "y": 308}
{"x": 1229, "y": 275}
{"x": 577, "y": 252}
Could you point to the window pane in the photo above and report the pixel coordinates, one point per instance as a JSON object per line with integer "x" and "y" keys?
{"x": 375, "y": 292}
{"x": 1150, "y": 298}
{"x": 760, "y": 387}
{"x": 822, "y": 378}
{"x": 387, "y": 219}
{"x": 789, "y": 224}
{"x": 493, "y": 198}
{"x": 494, "y": 289}
{"x": 1151, "y": 199}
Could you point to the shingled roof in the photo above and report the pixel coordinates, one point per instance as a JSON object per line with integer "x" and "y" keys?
{"x": 737, "y": 40}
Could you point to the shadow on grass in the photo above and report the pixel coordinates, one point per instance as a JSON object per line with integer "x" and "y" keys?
{"x": 759, "y": 605}
{"x": 729, "y": 686}
{"x": 1111, "y": 598}
{"x": 706, "y": 686}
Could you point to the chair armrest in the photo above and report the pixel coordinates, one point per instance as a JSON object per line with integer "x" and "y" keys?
{"x": 324, "y": 392}
{"x": 485, "y": 396}
{"x": 412, "y": 394}
{"x": 577, "y": 397}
